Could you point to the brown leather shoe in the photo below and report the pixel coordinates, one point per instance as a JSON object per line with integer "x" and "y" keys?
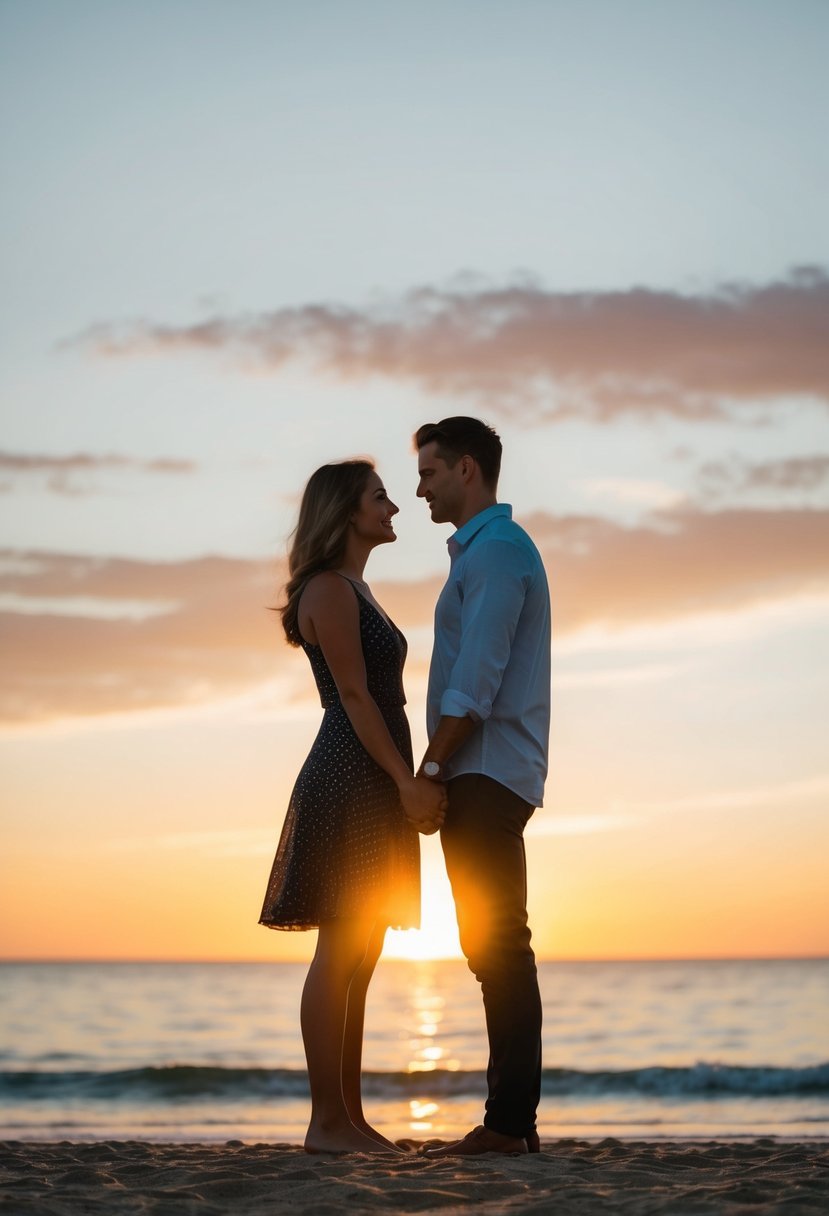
{"x": 479, "y": 1140}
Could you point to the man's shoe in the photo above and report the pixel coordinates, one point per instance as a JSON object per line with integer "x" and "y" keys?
{"x": 480, "y": 1140}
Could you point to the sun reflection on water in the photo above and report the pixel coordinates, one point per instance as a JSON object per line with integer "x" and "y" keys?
{"x": 425, "y": 1051}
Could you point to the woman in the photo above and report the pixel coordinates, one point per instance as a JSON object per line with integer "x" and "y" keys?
{"x": 348, "y": 859}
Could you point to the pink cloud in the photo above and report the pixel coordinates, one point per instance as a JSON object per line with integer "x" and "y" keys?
{"x": 61, "y": 470}
{"x": 600, "y": 354}
{"x": 218, "y": 638}
{"x": 792, "y": 473}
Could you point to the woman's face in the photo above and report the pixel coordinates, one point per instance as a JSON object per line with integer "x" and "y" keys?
{"x": 372, "y": 519}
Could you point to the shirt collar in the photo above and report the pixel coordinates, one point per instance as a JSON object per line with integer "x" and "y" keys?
{"x": 473, "y": 526}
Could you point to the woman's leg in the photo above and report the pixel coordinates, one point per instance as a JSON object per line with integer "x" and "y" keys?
{"x": 341, "y": 948}
{"x": 353, "y": 1039}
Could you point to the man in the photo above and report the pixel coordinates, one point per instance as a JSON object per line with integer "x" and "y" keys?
{"x": 488, "y": 720}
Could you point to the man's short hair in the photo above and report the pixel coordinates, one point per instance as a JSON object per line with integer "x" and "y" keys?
{"x": 457, "y": 437}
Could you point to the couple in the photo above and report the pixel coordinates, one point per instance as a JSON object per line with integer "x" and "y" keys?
{"x": 348, "y": 859}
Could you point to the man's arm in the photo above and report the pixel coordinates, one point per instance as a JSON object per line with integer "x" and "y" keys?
{"x": 448, "y": 737}
{"x": 495, "y": 583}
{"x": 335, "y": 616}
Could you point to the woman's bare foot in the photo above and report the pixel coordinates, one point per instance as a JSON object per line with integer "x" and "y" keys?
{"x": 367, "y": 1130}
{"x": 345, "y": 1139}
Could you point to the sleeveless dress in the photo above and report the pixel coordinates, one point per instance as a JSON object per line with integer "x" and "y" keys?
{"x": 346, "y": 845}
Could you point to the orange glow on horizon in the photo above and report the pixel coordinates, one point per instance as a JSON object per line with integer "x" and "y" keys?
{"x": 437, "y": 936}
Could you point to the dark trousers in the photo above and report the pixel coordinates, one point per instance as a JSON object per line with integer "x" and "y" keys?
{"x": 483, "y": 843}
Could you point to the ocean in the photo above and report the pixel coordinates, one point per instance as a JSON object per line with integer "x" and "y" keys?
{"x": 212, "y": 1051}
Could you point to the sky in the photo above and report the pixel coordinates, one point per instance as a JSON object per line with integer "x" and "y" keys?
{"x": 241, "y": 240}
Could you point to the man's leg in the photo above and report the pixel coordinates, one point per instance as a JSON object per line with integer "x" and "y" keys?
{"x": 483, "y": 845}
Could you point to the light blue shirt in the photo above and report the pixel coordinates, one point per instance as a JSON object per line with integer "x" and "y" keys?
{"x": 491, "y": 658}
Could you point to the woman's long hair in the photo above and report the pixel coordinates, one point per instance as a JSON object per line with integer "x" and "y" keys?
{"x": 318, "y": 542}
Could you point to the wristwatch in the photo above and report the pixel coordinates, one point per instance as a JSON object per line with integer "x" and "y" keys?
{"x": 431, "y": 769}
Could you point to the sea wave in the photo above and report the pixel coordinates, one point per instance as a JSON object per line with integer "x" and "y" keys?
{"x": 188, "y": 1083}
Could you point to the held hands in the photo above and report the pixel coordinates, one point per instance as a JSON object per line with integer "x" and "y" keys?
{"x": 425, "y": 804}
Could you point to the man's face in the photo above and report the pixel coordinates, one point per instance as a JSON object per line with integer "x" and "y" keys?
{"x": 442, "y": 487}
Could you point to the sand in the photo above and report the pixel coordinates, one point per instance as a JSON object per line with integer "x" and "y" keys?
{"x": 568, "y": 1176}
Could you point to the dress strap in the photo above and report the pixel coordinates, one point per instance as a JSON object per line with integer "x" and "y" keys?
{"x": 347, "y": 579}
{"x": 361, "y": 595}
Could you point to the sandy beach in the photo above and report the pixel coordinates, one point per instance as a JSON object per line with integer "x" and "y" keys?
{"x": 569, "y": 1176}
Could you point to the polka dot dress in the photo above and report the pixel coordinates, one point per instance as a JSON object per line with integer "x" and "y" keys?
{"x": 346, "y": 845}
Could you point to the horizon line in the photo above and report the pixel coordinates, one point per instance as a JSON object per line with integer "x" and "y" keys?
{"x": 661, "y": 958}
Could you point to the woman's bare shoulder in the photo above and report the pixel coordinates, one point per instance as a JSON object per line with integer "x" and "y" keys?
{"x": 326, "y": 588}
{"x": 329, "y": 611}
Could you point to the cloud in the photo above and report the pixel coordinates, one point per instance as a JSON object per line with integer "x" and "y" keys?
{"x": 622, "y": 814}
{"x": 216, "y": 639}
{"x": 615, "y": 677}
{"x": 627, "y": 490}
{"x": 597, "y": 354}
{"x": 746, "y": 798}
{"x": 235, "y": 842}
{"x": 793, "y": 473}
{"x": 682, "y": 562}
{"x": 61, "y": 469}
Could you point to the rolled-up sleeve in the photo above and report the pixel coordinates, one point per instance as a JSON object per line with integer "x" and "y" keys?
{"x": 494, "y": 585}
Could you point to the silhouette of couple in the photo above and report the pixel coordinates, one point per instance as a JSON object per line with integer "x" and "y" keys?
{"x": 348, "y": 860}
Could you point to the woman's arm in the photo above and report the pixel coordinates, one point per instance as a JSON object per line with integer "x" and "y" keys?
{"x": 331, "y": 607}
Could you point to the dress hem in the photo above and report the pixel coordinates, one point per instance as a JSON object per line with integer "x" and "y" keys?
{"x": 304, "y": 926}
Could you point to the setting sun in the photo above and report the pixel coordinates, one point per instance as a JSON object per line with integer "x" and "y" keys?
{"x": 437, "y": 936}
